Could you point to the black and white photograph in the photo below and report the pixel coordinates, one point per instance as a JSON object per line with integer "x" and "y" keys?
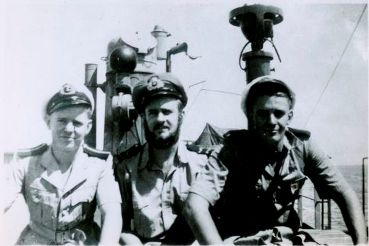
{"x": 184, "y": 122}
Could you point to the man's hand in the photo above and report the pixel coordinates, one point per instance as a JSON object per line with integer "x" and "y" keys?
{"x": 129, "y": 239}
{"x": 351, "y": 211}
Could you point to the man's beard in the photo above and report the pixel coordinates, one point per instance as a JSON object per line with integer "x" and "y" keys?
{"x": 161, "y": 143}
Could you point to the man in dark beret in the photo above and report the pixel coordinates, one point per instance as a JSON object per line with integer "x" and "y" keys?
{"x": 156, "y": 180}
{"x": 268, "y": 165}
{"x": 62, "y": 183}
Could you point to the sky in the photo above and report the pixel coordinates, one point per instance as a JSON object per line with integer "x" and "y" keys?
{"x": 45, "y": 44}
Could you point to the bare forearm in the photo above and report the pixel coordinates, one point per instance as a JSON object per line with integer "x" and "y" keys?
{"x": 353, "y": 216}
{"x": 111, "y": 224}
{"x": 196, "y": 212}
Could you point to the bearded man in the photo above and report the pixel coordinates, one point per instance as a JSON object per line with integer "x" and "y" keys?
{"x": 155, "y": 181}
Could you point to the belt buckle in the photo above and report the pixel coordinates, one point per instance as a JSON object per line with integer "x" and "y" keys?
{"x": 79, "y": 236}
{"x": 62, "y": 237}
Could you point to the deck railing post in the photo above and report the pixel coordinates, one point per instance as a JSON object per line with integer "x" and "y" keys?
{"x": 363, "y": 172}
{"x": 322, "y": 201}
{"x": 329, "y": 214}
{"x": 318, "y": 204}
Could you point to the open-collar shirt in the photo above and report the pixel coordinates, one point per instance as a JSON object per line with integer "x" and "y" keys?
{"x": 158, "y": 199}
{"x": 58, "y": 205}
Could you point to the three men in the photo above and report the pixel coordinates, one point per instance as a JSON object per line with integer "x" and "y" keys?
{"x": 63, "y": 182}
{"x": 155, "y": 181}
{"x": 164, "y": 186}
{"x": 268, "y": 165}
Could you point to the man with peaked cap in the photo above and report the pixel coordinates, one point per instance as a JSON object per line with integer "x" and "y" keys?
{"x": 268, "y": 165}
{"x": 62, "y": 183}
{"x": 156, "y": 180}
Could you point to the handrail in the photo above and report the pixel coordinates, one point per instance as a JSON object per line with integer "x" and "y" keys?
{"x": 321, "y": 203}
{"x": 319, "y": 206}
{"x": 307, "y": 197}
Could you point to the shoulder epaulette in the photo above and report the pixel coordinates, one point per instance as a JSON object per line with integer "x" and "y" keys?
{"x": 235, "y": 136}
{"x": 132, "y": 151}
{"x": 96, "y": 153}
{"x": 200, "y": 150}
{"x": 300, "y": 134}
{"x": 22, "y": 153}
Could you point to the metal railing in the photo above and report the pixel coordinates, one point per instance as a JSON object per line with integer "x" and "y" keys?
{"x": 364, "y": 175}
{"x": 323, "y": 207}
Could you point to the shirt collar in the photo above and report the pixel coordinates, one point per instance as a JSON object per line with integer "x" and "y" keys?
{"x": 182, "y": 153}
{"x": 52, "y": 170}
{"x": 49, "y": 162}
{"x": 143, "y": 157}
{"x": 290, "y": 141}
{"x": 181, "y": 156}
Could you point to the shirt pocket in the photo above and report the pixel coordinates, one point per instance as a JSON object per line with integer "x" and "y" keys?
{"x": 146, "y": 216}
{"x": 183, "y": 194}
{"x": 288, "y": 191}
{"x": 141, "y": 204}
{"x": 43, "y": 206}
{"x": 81, "y": 205}
{"x": 180, "y": 193}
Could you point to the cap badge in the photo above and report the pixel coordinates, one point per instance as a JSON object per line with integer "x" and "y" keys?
{"x": 155, "y": 83}
{"x": 67, "y": 89}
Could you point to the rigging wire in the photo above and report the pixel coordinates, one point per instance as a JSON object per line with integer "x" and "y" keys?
{"x": 337, "y": 65}
{"x": 224, "y": 92}
{"x": 211, "y": 90}
{"x": 197, "y": 94}
{"x": 201, "y": 82}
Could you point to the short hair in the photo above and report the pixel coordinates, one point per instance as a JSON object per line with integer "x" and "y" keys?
{"x": 266, "y": 90}
{"x": 90, "y": 112}
{"x": 181, "y": 105}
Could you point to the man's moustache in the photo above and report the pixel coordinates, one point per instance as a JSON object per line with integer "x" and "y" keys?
{"x": 160, "y": 126}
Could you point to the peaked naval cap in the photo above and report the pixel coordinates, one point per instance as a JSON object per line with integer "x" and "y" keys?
{"x": 157, "y": 85}
{"x": 261, "y": 85}
{"x": 69, "y": 96}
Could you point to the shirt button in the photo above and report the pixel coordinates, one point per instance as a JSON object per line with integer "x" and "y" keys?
{"x": 64, "y": 213}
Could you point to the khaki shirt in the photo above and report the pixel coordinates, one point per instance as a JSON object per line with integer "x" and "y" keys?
{"x": 54, "y": 206}
{"x": 158, "y": 200}
{"x": 263, "y": 185}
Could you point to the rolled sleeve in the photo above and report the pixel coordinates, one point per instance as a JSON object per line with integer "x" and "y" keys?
{"x": 209, "y": 183}
{"x": 326, "y": 178}
{"x": 107, "y": 187}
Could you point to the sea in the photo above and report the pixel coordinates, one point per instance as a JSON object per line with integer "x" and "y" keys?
{"x": 354, "y": 176}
